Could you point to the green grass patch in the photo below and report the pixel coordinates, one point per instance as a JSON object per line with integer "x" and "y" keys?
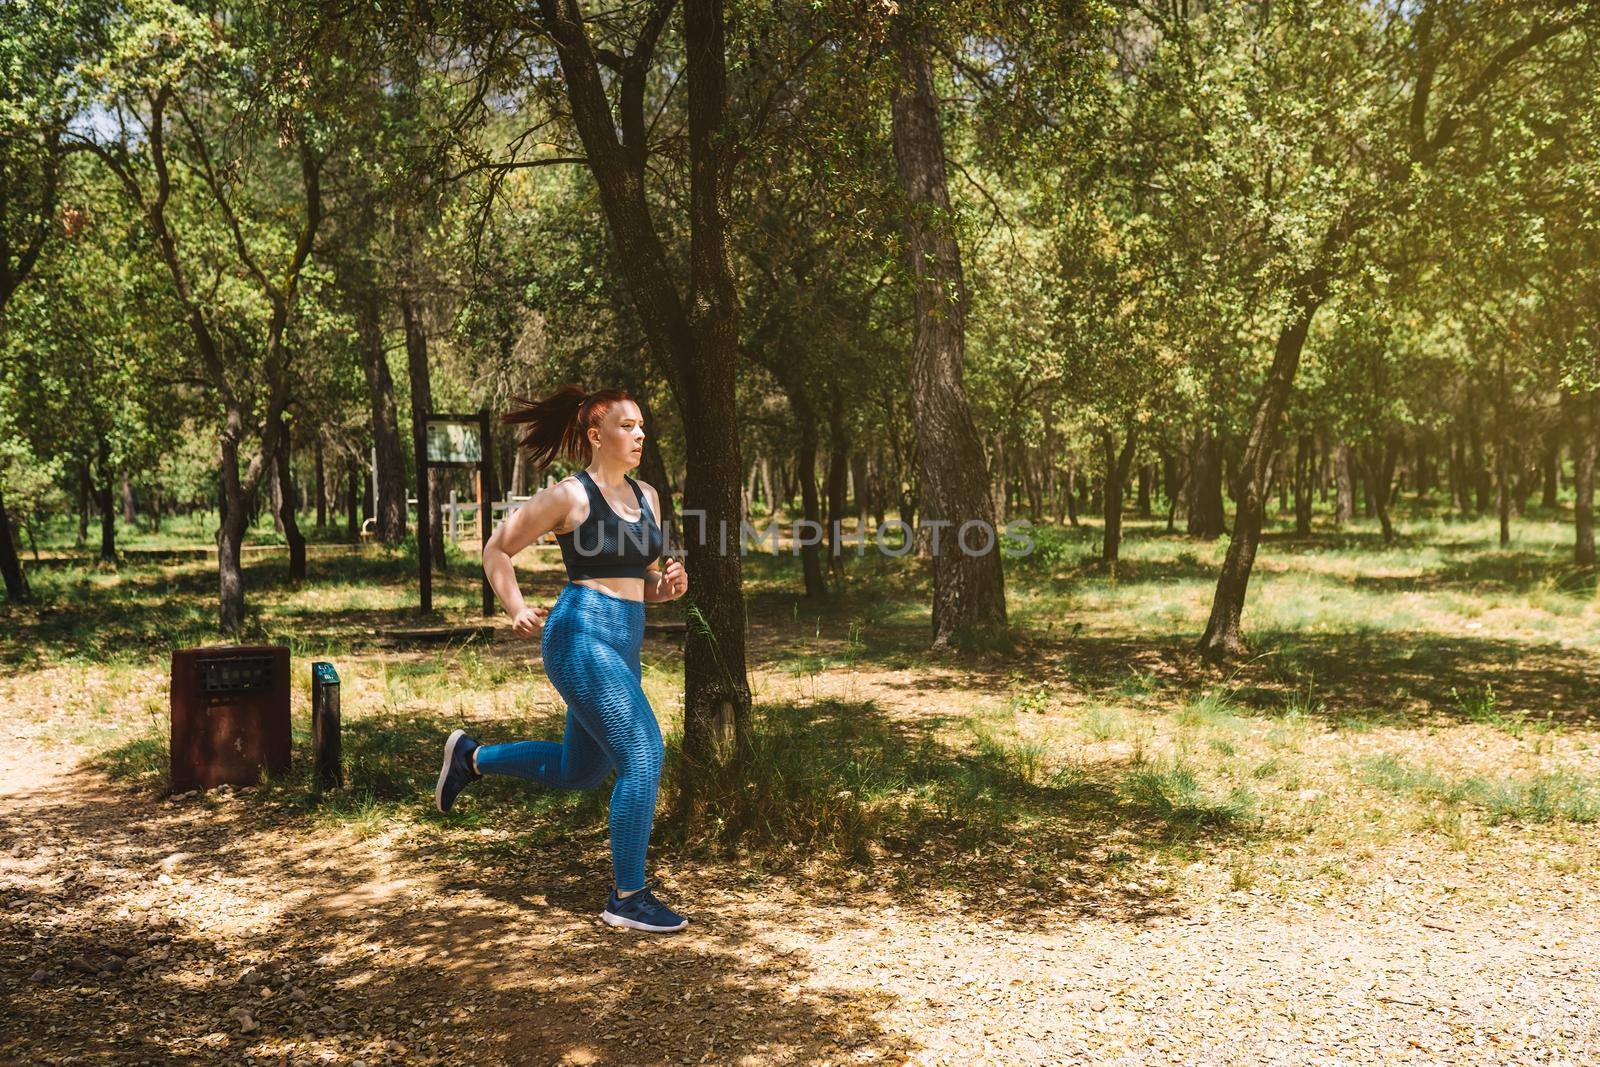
{"x": 1173, "y": 792}
{"x": 1555, "y": 796}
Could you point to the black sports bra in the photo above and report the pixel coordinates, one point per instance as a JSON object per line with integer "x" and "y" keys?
{"x": 603, "y": 545}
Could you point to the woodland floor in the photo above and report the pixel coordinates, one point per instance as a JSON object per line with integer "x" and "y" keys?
{"x": 1375, "y": 842}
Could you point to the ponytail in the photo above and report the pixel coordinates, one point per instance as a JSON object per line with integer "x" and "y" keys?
{"x": 558, "y": 425}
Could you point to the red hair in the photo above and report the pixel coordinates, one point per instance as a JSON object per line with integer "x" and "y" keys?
{"x": 558, "y": 425}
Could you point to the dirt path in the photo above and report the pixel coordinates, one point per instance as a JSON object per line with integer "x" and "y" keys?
{"x": 197, "y": 931}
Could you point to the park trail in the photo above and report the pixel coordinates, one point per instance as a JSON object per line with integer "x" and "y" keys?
{"x": 141, "y": 929}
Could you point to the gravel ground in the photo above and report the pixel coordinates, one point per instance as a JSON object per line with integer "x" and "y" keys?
{"x": 197, "y": 931}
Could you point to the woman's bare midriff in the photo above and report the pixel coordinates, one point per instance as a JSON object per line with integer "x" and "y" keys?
{"x": 621, "y": 588}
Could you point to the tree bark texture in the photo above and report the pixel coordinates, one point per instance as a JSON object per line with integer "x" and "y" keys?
{"x": 953, "y": 487}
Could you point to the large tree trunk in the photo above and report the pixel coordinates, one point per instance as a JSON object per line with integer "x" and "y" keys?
{"x": 421, "y": 405}
{"x": 391, "y": 491}
{"x": 1223, "y": 636}
{"x": 1206, "y": 516}
{"x": 16, "y": 578}
{"x": 968, "y": 590}
{"x": 717, "y": 697}
{"x": 696, "y": 351}
{"x": 1116, "y": 476}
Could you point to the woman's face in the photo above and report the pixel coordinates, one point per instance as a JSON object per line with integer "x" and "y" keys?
{"x": 620, "y": 436}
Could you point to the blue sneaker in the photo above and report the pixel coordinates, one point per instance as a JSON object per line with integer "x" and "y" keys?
{"x": 457, "y": 772}
{"x": 642, "y": 911}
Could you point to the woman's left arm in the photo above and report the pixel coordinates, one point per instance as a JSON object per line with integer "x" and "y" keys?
{"x": 662, "y": 585}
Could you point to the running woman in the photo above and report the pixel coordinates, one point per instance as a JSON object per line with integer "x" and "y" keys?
{"x": 591, "y": 638}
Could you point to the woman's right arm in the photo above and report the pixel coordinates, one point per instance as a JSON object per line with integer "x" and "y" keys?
{"x": 547, "y": 510}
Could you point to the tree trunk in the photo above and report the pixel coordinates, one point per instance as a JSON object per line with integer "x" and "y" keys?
{"x": 1071, "y": 495}
{"x": 695, "y": 350}
{"x": 1481, "y": 480}
{"x": 1582, "y": 421}
{"x": 810, "y": 500}
{"x": 418, "y": 372}
{"x": 1223, "y": 637}
{"x": 717, "y": 688}
{"x": 861, "y": 475}
{"x": 130, "y": 511}
{"x": 1170, "y": 486}
{"x": 1501, "y": 473}
{"x": 275, "y": 498}
{"x": 1552, "y": 473}
{"x": 953, "y": 489}
{"x": 1305, "y": 469}
{"x": 391, "y": 489}
{"x": 1117, "y": 464}
{"x": 322, "y": 488}
{"x": 838, "y": 468}
{"x": 16, "y": 578}
{"x": 1278, "y": 468}
{"x": 1146, "y": 477}
{"x": 104, "y": 503}
{"x": 1344, "y": 510}
{"x": 1207, "y": 519}
{"x": 1378, "y": 461}
{"x": 997, "y": 475}
{"x": 286, "y": 513}
{"x": 353, "y": 502}
{"x": 230, "y": 532}
{"x": 83, "y": 503}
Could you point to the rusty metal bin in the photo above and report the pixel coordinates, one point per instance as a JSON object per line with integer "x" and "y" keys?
{"x": 230, "y": 715}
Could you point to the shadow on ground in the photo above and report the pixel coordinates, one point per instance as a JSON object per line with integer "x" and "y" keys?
{"x": 371, "y": 951}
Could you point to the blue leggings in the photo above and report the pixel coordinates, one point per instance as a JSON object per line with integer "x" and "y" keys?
{"x": 591, "y": 653}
